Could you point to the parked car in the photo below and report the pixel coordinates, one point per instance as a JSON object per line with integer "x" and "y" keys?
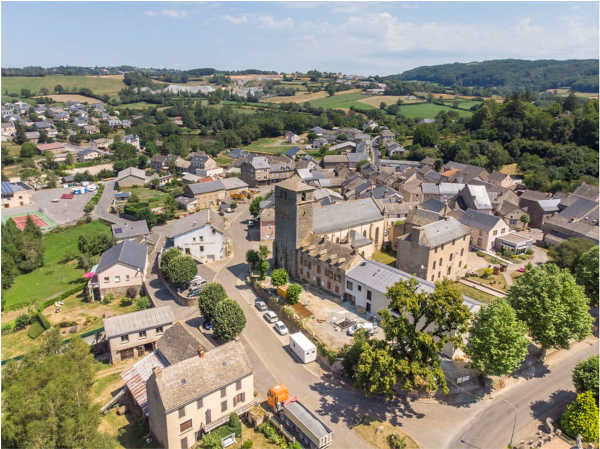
{"x": 281, "y": 328}
{"x": 522, "y": 270}
{"x": 207, "y": 325}
{"x": 270, "y": 316}
{"x": 55, "y": 200}
{"x": 250, "y": 222}
{"x": 260, "y": 305}
{"x": 355, "y": 327}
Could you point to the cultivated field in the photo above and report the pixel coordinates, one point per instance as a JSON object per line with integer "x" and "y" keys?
{"x": 256, "y": 77}
{"x": 97, "y": 84}
{"x": 565, "y": 92}
{"x": 68, "y": 97}
{"x": 302, "y": 97}
{"x": 344, "y": 100}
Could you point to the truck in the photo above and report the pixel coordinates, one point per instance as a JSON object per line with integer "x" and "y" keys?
{"x": 309, "y": 430}
{"x": 303, "y": 348}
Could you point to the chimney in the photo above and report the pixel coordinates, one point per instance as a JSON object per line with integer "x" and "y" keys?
{"x": 157, "y": 370}
{"x": 201, "y": 352}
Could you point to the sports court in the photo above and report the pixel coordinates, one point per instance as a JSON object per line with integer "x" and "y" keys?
{"x": 41, "y": 220}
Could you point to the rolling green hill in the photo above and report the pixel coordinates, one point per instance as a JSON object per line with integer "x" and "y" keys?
{"x": 98, "y": 85}
{"x": 511, "y": 74}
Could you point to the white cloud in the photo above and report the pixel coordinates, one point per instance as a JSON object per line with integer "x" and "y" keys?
{"x": 173, "y": 13}
{"x": 273, "y": 23}
{"x": 236, "y": 20}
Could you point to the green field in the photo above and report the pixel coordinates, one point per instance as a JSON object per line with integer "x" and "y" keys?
{"x": 55, "y": 276}
{"x": 428, "y": 110}
{"x": 154, "y": 198}
{"x": 268, "y": 145}
{"x": 100, "y": 86}
{"x": 344, "y": 101}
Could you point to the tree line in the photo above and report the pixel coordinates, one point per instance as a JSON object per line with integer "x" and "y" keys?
{"x": 22, "y": 251}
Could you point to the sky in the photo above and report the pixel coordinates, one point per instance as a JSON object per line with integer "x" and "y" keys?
{"x": 350, "y": 37}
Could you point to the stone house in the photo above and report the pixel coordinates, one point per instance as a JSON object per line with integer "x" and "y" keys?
{"x": 131, "y": 230}
{"x": 539, "y": 211}
{"x": 475, "y": 197}
{"x": 15, "y": 194}
{"x": 200, "y": 235}
{"x": 256, "y": 171}
{"x": 500, "y": 179}
{"x": 207, "y": 194}
{"x": 131, "y": 176}
{"x": 135, "y": 334}
{"x": 434, "y": 251}
{"x": 485, "y": 228}
{"x": 120, "y": 271}
{"x": 196, "y": 395}
{"x": 201, "y": 162}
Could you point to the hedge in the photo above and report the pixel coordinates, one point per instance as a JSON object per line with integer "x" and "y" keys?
{"x": 36, "y": 329}
{"x": 40, "y": 316}
{"x": 94, "y": 200}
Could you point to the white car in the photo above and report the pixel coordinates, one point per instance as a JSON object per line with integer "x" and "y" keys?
{"x": 260, "y": 305}
{"x": 281, "y": 328}
{"x": 56, "y": 200}
{"x": 270, "y": 316}
{"x": 355, "y": 327}
{"x": 92, "y": 188}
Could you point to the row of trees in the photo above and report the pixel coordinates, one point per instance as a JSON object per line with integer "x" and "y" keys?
{"x": 22, "y": 251}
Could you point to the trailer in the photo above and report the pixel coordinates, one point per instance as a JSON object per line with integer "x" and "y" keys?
{"x": 309, "y": 430}
{"x": 303, "y": 348}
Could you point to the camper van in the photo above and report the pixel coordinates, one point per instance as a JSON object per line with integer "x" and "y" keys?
{"x": 303, "y": 348}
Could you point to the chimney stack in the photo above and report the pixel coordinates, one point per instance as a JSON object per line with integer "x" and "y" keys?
{"x": 157, "y": 371}
{"x": 201, "y": 352}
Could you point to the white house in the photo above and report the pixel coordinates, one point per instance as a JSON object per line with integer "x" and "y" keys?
{"x": 199, "y": 235}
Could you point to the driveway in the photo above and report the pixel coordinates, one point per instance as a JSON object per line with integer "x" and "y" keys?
{"x": 102, "y": 208}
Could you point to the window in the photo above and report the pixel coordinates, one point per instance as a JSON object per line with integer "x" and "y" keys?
{"x": 106, "y": 278}
{"x": 126, "y": 277}
{"x": 186, "y": 425}
{"x": 238, "y": 385}
{"x": 184, "y": 444}
{"x": 142, "y": 334}
{"x": 433, "y": 278}
{"x": 449, "y": 269}
{"x": 368, "y": 308}
{"x": 435, "y": 250}
{"x": 207, "y": 417}
{"x": 223, "y": 392}
{"x": 434, "y": 264}
{"x": 318, "y": 268}
{"x": 441, "y": 260}
{"x": 199, "y": 403}
{"x": 439, "y": 274}
{"x": 182, "y": 412}
{"x": 224, "y": 406}
{"x": 117, "y": 278}
{"x": 201, "y": 238}
{"x": 360, "y": 288}
{"x": 451, "y": 256}
{"x": 369, "y": 295}
{"x": 337, "y": 289}
{"x": 159, "y": 330}
{"x": 193, "y": 239}
{"x": 202, "y": 248}
{"x": 241, "y": 397}
{"x": 459, "y": 263}
{"x": 124, "y": 338}
{"x": 349, "y": 285}
{"x": 462, "y": 251}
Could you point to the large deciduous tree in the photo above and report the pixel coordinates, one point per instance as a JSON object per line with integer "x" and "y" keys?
{"x": 552, "y": 305}
{"x": 586, "y": 273}
{"x": 211, "y": 295}
{"x": 376, "y": 369}
{"x": 279, "y": 277}
{"x": 229, "y": 320}
{"x": 497, "y": 342}
{"x": 567, "y": 253}
{"x": 180, "y": 270}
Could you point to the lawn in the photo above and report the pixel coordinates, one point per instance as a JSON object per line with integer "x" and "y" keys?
{"x": 98, "y": 85}
{"x": 496, "y": 281}
{"x": 223, "y": 161}
{"x": 269, "y": 145}
{"x": 477, "y": 295}
{"x": 154, "y": 198}
{"x": 55, "y": 276}
{"x": 384, "y": 258}
{"x": 428, "y": 110}
{"x": 344, "y": 101}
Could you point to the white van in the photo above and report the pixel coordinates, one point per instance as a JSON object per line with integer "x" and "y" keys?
{"x": 303, "y": 348}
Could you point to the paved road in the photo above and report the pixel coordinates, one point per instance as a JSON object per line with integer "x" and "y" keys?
{"x": 101, "y": 209}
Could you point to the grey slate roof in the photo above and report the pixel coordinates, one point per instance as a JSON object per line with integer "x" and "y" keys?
{"x": 443, "y": 231}
{"x": 137, "y": 321}
{"x": 380, "y": 277}
{"x": 130, "y": 229}
{"x": 206, "y": 187}
{"x": 345, "y": 215}
{"x": 131, "y": 171}
{"x": 196, "y": 377}
{"x": 178, "y": 344}
{"x": 549, "y": 205}
{"x": 433, "y": 204}
{"x": 234, "y": 183}
{"x": 579, "y": 208}
{"x": 194, "y": 221}
{"x": 127, "y": 252}
{"x": 479, "y": 220}
{"x": 260, "y": 162}
{"x": 587, "y": 191}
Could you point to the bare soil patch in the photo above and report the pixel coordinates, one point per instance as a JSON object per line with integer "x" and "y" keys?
{"x": 73, "y": 97}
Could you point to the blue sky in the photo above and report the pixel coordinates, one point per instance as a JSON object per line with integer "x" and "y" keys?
{"x": 349, "y": 37}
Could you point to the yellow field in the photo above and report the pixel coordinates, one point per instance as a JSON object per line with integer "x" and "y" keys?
{"x": 256, "y": 77}
{"x": 388, "y": 99}
{"x": 68, "y": 97}
{"x": 114, "y": 77}
{"x": 301, "y": 97}
{"x": 565, "y": 92}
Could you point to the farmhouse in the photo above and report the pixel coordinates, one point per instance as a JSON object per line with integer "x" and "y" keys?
{"x": 200, "y": 235}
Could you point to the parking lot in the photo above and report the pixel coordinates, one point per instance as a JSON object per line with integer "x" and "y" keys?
{"x": 62, "y": 212}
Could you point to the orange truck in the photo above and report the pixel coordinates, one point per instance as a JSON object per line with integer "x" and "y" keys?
{"x": 309, "y": 430}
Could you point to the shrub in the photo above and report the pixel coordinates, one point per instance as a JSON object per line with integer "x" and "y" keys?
{"x": 132, "y": 292}
{"x": 487, "y": 272}
{"x": 22, "y": 321}
{"x": 229, "y": 320}
{"x": 35, "y": 330}
{"x": 235, "y": 424}
{"x": 64, "y": 324}
{"x": 8, "y": 327}
{"x": 581, "y": 417}
{"x": 529, "y": 251}
{"x": 44, "y": 320}
{"x": 585, "y": 376}
{"x": 247, "y": 444}
{"x": 142, "y": 303}
{"x": 108, "y": 298}
{"x": 396, "y": 442}
{"x": 293, "y": 293}
{"x": 279, "y": 277}
{"x": 271, "y": 434}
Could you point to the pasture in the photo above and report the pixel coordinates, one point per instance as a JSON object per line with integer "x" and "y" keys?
{"x": 376, "y": 100}
{"x": 98, "y": 85}
{"x": 275, "y": 145}
{"x": 342, "y": 101}
{"x": 58, "y": 274}
{"x": 73, "y": 97}
{"x": 428, "y": 110}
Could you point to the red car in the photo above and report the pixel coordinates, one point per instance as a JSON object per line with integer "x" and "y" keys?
{"x": 522, "y": 270}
